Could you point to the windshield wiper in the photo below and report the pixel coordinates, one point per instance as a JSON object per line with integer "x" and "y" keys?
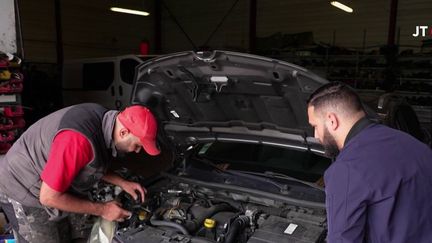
{"x": 282, "y": 187}
{"x": 269, "y": 174}
{"x": 272, "y": 174}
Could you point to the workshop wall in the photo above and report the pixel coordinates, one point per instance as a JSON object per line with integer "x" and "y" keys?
{"x": 199, "y": 19}
{"x": 91, "y": 30}
{"x": 38, "y": 28}
{"x": 367, "y": 26}
{"x": 412, "y": 13}
{"x": 325, "y": 21}
{"x": 8, "y": 41}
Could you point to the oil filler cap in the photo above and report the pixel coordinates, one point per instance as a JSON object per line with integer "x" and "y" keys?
{"x": 209, "y": 223}
{"x": 144, "y": 214}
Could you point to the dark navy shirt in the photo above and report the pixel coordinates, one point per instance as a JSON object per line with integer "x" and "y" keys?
{"x": 379, "y": 189}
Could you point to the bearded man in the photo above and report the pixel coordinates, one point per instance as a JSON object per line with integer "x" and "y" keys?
{"x": 379, "y": 187}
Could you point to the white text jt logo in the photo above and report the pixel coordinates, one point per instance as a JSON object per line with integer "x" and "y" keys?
{"x": 421, "y": 31}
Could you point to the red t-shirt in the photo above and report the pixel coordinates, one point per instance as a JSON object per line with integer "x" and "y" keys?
{"x": 70, "y": 152}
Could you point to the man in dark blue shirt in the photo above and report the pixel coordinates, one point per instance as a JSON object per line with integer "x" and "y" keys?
{"x": 379, "y": 188}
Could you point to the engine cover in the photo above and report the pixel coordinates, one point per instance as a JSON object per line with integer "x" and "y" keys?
{"x": 277, "y": 229}
{"x": 151, "y": 235}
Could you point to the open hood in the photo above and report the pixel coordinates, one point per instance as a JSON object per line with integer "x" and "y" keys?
{"x": 228, "y": 96}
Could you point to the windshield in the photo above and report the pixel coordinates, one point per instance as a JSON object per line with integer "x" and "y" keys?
{"x": 302, "y": 165}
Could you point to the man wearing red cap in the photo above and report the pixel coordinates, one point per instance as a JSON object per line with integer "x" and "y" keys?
{"x": 51, "y": 168}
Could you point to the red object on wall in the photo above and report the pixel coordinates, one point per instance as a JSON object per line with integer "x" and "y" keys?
{"x": 18, "y": 122}
{"x": 144, "y": 48}
{"x": 7, "y": 136}
{"x": 13, "y": 111}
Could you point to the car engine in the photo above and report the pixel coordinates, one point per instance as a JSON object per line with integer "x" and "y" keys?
{"x": 178, "y": 211}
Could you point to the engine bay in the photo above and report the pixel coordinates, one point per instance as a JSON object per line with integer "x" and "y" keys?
{"x": 179, "y": 211}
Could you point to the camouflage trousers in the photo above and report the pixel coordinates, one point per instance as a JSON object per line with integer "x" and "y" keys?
{"x": 32, "y": 224}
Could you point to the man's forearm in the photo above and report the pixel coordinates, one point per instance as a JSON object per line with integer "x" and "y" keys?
{"x": 71, "y": 203}
{"x": 67, "y": 202}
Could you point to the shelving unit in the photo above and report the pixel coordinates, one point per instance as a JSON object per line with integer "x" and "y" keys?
{"x": 367, "y": 70}
{"x": 358, "y": 70}
{"x": 12, "y": 120}
{"x": 416, "y": 71}
{"x": 416, "y": 76}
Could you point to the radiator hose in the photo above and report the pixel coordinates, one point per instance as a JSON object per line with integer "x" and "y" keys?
{"x": 237, "y": 226}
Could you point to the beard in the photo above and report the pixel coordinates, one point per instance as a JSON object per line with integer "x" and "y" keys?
{"x": 120, "y": 151}
{"x": 122, "y": 148}
{"x": 329, "y": 143}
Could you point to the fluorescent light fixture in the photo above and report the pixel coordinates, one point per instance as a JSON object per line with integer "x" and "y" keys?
{"x": 341, "y": 6}
{"x": 129, "y": 11}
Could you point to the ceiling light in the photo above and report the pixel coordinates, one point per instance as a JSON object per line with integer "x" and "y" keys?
{"x": 129, "y": 11}
{"x": 341, "y": 6}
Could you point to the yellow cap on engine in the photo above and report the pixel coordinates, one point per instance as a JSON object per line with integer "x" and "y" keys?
{"x": 142, "y": 215}
{"x": 209, "y": 223}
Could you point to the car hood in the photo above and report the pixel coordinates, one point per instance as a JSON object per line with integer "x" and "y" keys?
{"x": 229, "y": 96}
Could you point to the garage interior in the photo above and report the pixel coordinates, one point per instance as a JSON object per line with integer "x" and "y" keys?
{"x": 372, "y": 48}
{"x": 383, "y": 49}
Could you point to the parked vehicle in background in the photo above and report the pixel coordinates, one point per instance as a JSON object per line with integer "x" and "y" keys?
{"x": 106, "y": 81}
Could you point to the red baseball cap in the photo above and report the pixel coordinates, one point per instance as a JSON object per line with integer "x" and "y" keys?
{"x": 141, "y": 123}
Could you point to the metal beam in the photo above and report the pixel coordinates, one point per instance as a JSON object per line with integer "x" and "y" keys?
{"x": 392, "y": 22}
{"x": 158, "y": 27}
{"x": 252, "y": 25}
{"x": 59, "y": 34}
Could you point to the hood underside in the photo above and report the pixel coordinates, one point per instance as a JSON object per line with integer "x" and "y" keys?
{"x": 227, "y": 94}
